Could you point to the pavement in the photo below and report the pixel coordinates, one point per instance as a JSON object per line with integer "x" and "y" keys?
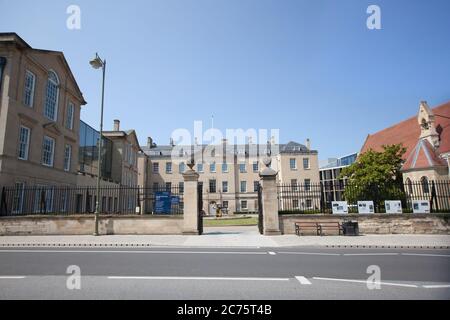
{"x": 234, "y": 237}
{"x": 224, "y": 273}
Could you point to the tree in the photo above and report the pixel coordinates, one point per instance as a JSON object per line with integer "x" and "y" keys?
{"x": 375, "y": 176}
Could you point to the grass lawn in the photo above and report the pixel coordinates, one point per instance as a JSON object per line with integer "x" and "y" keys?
{"x": 250, "y": 221}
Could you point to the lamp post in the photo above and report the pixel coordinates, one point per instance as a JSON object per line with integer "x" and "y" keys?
{"x": 98, "y": 63}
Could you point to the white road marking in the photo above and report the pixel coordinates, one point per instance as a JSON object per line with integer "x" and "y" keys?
{"x": 272, "y": 253}
{"x": 303, "y": 280}
{"x": 312, "y": 253}
{"x": 196, "y": 278}
{"x": 11, "y": 277}
{"x": 426, "y": 255}
{"x": 437, "y": 286}
{"x": 365, "y": 281}
{"x": 135, "y": 251}
{"x": 371, "y": 254}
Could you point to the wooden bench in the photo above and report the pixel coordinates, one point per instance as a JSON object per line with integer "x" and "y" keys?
{"x": 300, "y": 226}
{"x": 334, "y": 225}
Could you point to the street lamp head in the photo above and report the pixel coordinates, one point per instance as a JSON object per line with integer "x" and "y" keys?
{"x": 96, "y": 63}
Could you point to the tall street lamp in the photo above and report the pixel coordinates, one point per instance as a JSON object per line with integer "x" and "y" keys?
{"x": 98, "y": 63}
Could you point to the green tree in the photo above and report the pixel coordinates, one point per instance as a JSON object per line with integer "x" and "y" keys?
{"x": 375, "y": 176}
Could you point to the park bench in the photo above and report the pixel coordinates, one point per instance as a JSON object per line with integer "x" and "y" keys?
{"x": 326, "y": 225}
{"x": 301, "y": 226}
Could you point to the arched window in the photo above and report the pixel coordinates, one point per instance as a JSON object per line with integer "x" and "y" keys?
{"x": 409, "y": 186}
{"x": 52, "y": 96}
{"x": 425, "y": 185}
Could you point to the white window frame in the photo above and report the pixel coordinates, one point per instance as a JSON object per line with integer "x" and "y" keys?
{"x": 55, "y": 116}
{"x": 242, "y": 205}
{"x": 26, "y": 89}
{"x": 212, "y": 167}
{"x": 67, "y": 159}
{"x": 242, "y": 168}
{"x": 225, "y": 186}
{"x": 52, "y": 151}
{"x": 294, "y": 161}
{"x": 70, "y": 115}
{"x": 225, "y": 166}
{"x": 27, "y": 143}
{"x": 169, "y": 168}
{"x": 255, "y": 164}
{"x": 200, "y": 167}
{"x": 243, "y": 190}
{"x": 309, "y": 164}
{"x": 155, "y": 167}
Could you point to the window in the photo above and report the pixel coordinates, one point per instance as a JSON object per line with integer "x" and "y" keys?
{"x": 307, "y": 184}
{"x": 225, "y": 204}
{"x": 244, "y": 205}
{"x": 69, "y": 119}
{"x": 224, "y": 167}
{"x": 24, "y": 142}
{"x": 64, "y": 199}
{"x": 43, "y": 199}
{"x": 255, "y": 186}
{"x": 48, "y": 150}
{"x": 243, "y": 186}
{"x": 306, "y": 163}
{"x": 308, "y": 203}
{"x": 28, "y": 92}
{"x": 200, "y": 167}
{"x": 295, "y": 203}
{"x": 425, "y": 185}
{"x": 294, "y": 185}
{"x": 212, "y": 186}
{"x": 255, "y": 166}
{"x": 67, "y": 157}
{"x": 212, "y": 167}
{"x": 293, "y": 164}
{"x": 181, "y": 187}
{"x": 51, "y": 97}
{"x": 168, "y": 167}
{"x": 181, "y": 167}
{"x": 155, "y": 186}
{"x": 155, "y": 167}
{"x": 18, "y": 197}
{"x": 242, "y": 168}
{"x": 224, "y": 186}
{"x": 168, "y": 186}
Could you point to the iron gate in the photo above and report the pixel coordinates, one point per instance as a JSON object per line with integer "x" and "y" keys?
{"x": 260, "y": 211}
{"x": 200, "y": 208}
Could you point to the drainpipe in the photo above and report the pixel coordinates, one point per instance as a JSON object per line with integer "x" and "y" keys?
{"x": 2, "y": 67}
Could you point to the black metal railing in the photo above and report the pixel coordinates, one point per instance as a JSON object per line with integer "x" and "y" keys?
{"x": 318, "y": 197}
{"x": 57, "y": 200}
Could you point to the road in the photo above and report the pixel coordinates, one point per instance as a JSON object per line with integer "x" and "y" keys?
{"x": 188, "y": 273}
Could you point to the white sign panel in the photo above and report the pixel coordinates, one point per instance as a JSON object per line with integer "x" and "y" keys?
{"x": 366, "y": 207}
{"x": 393, "y": 206}
{"x": 421, "y": 206}
{"x": 340, "y": 207}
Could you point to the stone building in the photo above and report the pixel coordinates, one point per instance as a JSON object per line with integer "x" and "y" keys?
{"x": 40, "y": 105}
{"x": 426, "y": 138}
{"x": 229, "y": 173}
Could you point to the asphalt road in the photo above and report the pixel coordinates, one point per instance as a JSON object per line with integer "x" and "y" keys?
{"x": 221, "y": 274}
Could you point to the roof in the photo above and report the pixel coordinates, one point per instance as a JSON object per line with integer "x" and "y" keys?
{"x": 407, "y": 133}
{"x": 423, "y": 156}
{"x": 291, "y": 148}
{"x": 11, "y": 37}
{"x": 123, "y": 134}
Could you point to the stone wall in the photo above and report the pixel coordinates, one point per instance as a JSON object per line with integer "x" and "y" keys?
{"x": 84, "y": 225}
{"x": 379, "y": 223}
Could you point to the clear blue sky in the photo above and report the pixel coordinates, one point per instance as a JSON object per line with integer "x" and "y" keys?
{"x": 309, "y": 68}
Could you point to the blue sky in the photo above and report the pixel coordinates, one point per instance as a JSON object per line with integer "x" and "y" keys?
{"x": 309, "y": 68}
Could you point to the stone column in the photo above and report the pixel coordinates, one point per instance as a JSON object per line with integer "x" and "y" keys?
{"x": 269, "y": 199}
{"x": 190, "y": 198}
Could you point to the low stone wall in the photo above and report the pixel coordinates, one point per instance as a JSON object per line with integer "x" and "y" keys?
{"x": 379, "y": 223}
{"x": 84, "y": 225}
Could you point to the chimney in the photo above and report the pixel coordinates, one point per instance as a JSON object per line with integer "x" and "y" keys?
{"x": 116, "y": 125}
{"x": 149, "y": 142}
{"x": 308, "y": 144}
